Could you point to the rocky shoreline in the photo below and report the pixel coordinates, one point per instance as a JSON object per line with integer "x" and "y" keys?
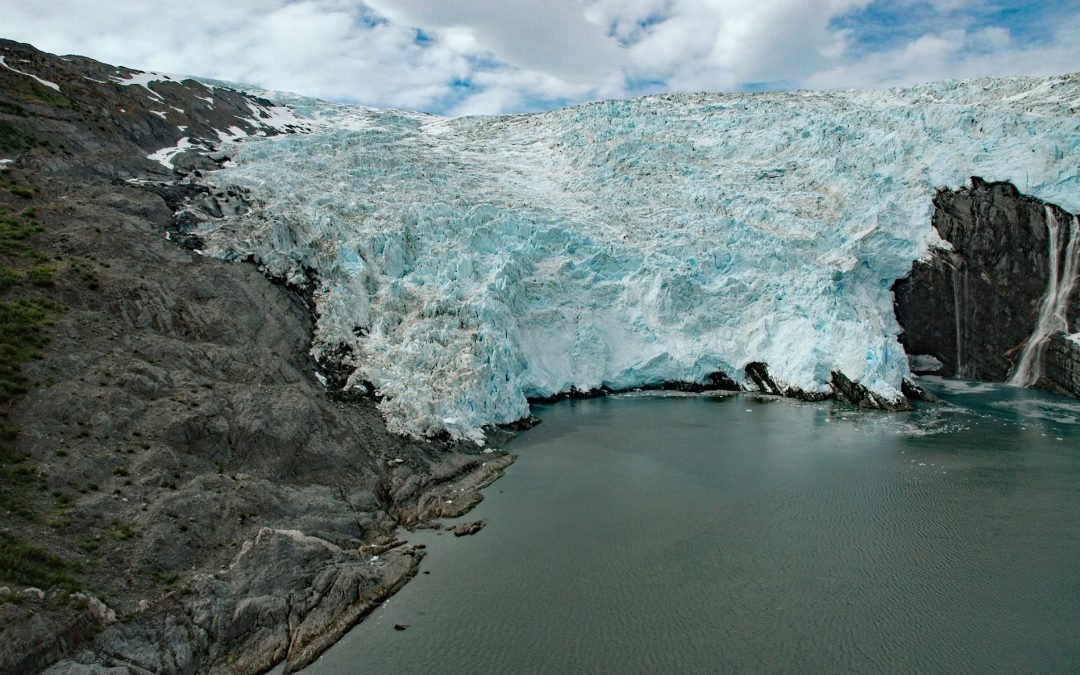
{"x": 203, "y": 503}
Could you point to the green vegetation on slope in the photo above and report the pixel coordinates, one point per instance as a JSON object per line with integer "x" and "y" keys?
{"x": 25, "y": 312}
{"x": 31, "y": 565}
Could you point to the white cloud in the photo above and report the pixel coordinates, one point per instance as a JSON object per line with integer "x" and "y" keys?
{"x": 469, "y": 56}
{"x": 551, "y": 37}
{"x": 319, "y": 48}
{"x": 717, "y": 44}
{"x": 957, "y": 54}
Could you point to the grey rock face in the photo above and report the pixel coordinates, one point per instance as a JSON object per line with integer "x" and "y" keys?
{"x": 1062, "y": 366}
{"x": 974, "y": 308}
{"x": 186, "y": 455}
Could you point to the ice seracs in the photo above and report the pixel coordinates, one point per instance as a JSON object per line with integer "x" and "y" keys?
{"x": 463, "y": 265}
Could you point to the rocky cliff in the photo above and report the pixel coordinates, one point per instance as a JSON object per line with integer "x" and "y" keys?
{"x": 976, "y": 307}
{"x": 178, "y": 490}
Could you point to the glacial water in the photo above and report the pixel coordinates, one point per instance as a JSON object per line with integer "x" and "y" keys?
{"x": 700, "y": 534}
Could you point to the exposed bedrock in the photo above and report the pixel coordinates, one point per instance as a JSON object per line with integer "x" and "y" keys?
{"x": 1061, "y": 365}
{"x": 977, "y": 307}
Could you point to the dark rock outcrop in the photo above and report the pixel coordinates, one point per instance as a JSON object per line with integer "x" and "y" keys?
{"x": 856, "y": 394}
{"x": 1061, "y": 365}
{"x": 914, "y": 392}
{"x": 466, "y": 529}
{"x": 758, "y": 372}
{"x": 973, "y": 308}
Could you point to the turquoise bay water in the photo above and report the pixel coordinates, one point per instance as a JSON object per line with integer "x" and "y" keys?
{"x": 695, "y": 534}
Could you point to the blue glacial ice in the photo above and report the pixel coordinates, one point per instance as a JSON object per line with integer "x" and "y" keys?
{"x": 470, "y": 263}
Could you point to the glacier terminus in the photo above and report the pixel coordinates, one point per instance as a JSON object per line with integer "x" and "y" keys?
{"x": 461, "y": 266}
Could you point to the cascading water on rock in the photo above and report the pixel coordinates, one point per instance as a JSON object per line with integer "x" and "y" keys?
{"x": 1055, "y": 303}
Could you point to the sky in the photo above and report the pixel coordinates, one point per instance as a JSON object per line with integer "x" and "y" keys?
{"x": 461, "y": 57}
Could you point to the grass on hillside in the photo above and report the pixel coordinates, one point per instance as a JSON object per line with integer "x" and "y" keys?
{"x": 26, "y": 311}
{"x": 24, "y": 315}
{"x": 30, "y": 565}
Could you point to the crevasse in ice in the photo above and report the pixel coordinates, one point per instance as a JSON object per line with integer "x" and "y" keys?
{"x": 472, "y": 262}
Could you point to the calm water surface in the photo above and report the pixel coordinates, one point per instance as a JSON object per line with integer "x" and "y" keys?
{"x": 696, "y": 534}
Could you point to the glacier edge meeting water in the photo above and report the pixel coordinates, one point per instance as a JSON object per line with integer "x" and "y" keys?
{"x": 466, "y": 264}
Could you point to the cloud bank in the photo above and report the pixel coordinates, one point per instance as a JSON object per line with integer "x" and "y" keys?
{"x": 492, "y": 56}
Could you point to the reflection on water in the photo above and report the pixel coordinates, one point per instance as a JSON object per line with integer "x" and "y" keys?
{"x": 704, "y": 534}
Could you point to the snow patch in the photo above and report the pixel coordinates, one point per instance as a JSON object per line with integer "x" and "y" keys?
{"x": 166, "y": 155}
{"x": 144, "y": 79}
{"x": 278, "y": 117}
{"x": 231, "y": 134}
{"x": 50, "y": 85}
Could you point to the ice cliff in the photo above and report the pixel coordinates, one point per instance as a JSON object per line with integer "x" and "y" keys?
{"x": 470, "y": 263}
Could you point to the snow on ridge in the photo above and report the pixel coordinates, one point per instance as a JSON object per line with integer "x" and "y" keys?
{"x": 469, "y": 263}
{"x": 279, "y": 117}
{"x": 50, "y": 85}
{"x": 165, "y": 155}
{"x": 144, "y": 80}
{"x": 233, "y": 133}
{"x": 141, "y": 78}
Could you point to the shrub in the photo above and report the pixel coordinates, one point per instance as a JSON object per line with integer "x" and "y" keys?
{"x": 40, "y": 276}
{"x": 8, "y": 277}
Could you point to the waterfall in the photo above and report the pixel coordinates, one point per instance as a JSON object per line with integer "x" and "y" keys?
{"x": 958, "y": 316}
{"x": 1054, "y": 307}
{"x": 1068, "y": 277}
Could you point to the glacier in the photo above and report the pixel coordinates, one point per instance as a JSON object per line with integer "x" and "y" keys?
{"x": 462, "y": 265}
